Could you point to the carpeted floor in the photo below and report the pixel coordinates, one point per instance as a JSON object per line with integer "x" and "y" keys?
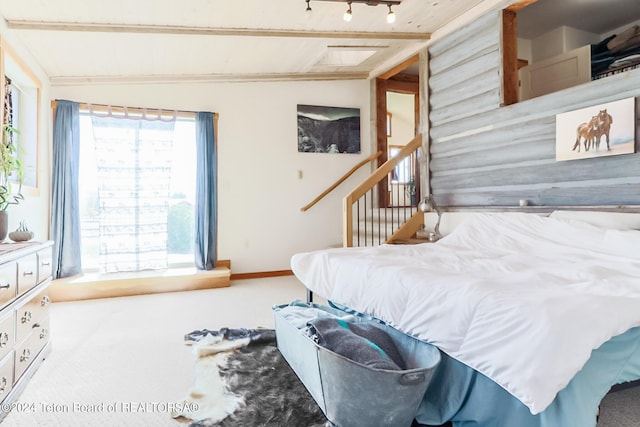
{"x": 128, "y": 354}
{"x": 621, "y": 409}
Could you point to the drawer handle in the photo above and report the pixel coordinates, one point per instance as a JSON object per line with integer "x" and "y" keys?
{"x": 45, "y": 301}
{"x": 46, "y": 263}
{"x": 44, "y": 333}
{"x": 28, "y": 273}
{"x": 5, "y": 286}
{"x": 3, "y": 384}
{"x": 26, "y": 355}
{"x": 4, "y": 339}
{"x": 26, "y": 318}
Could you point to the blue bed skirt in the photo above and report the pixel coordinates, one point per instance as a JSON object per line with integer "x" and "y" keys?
{"x": 467, "y": 398}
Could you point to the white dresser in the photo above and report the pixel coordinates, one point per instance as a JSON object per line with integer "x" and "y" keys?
{"x": 25, "y": 276}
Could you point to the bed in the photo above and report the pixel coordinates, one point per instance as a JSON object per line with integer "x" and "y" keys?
{"x": 536, "y": 316}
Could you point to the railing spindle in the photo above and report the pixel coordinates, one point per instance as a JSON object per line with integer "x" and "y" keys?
{"x": 358, "y": 223}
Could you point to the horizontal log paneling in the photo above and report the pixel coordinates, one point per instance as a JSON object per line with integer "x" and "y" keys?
{"x": 551, "y": 195}
{"x": 489, "y": 61}
{"x": 493, "y": 159}
{"x": 474, "y": 48}
{"x": 618, "y": 86}
{"x": 500, "y": 137}
{"x": 554, "y": 172}
{"x": 483, "y": 102}
{"x": 484, "y": 154}
{"x": 464, "y": 34}
{"x": 468, "y": 89}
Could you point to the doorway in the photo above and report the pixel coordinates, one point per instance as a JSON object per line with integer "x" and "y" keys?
{"x": 397, "y": 123}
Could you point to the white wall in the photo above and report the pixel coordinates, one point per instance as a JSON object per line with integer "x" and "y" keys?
{"x": 560, "y": 40}
{"x": 260, "y": 195}
{"x": 402, "y": 109}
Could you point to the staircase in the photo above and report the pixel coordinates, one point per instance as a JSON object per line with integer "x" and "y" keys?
{"x": 367, "y": 224}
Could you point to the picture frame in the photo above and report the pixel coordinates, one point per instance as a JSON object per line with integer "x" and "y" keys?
{"x": 606, "y": 129}
{"x": 324, "y": 129}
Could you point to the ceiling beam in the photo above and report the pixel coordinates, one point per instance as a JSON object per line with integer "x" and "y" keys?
{"x": 202, "y": 78}
{"x": 207, "y": 31}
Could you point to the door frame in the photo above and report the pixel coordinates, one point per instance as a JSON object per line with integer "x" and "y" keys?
{"x": 395, "y": 80}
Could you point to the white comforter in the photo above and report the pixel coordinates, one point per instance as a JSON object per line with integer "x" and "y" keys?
{"x": 524, "y": 299}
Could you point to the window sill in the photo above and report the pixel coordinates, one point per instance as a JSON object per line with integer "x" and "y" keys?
{"x": 91, "y": 286}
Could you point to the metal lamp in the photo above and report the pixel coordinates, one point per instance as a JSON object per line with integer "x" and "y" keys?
{"x": 428, "y": 204}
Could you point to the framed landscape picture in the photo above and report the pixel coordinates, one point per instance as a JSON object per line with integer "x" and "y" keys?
{"x": 606, "y": 129}
{"x": 328, "y": 129}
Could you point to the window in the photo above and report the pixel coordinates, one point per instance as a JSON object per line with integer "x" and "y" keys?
{"x": 24, "y": 92}
{"x": 402, "y": 182}
{"x": 136, "y": 210}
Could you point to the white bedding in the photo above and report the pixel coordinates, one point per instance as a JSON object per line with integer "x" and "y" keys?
{"x": 521, "y": 298}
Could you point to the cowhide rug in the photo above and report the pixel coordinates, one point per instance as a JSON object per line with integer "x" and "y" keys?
{"x": 241, "y": 380}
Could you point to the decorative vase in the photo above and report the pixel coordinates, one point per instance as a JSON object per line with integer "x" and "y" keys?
{"x": 21, "y": 236}
{"x": 4, "y": 221}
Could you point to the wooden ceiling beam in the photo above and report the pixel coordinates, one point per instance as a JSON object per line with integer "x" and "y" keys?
{"x": 203, "y": 78}
{"x": 398, "y": 68}
{"x": 519, "y": 5}
{"x": 208, "y": 31}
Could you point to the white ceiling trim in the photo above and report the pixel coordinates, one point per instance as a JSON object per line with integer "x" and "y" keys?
{"x": 210, "y": 31}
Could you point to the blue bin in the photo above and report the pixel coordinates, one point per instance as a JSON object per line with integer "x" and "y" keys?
{"x": 351, "y": 394}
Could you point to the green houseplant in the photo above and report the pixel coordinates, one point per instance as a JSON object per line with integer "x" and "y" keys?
{"x": 410, "y": 187}
{"x": 11, "y": 171}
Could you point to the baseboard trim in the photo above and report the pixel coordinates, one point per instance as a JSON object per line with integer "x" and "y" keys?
{"x": 261, "y": 274}
{"x": 85, "y": 287}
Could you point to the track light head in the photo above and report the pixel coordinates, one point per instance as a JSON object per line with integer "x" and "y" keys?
{"x": 348, "y": 15}
{"x": 391, "y": 16}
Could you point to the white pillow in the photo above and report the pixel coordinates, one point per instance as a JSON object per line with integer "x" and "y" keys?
{"x": 608, "y": 220}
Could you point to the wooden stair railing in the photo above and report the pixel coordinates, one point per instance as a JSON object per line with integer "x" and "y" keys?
{"x": 341, "y": 180}
{"x": 405, "y": 221}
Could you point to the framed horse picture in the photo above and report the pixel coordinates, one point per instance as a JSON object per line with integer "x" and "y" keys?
{"x": 606, "y": 129}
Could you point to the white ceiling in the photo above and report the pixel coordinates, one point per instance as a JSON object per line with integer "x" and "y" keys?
{"x": 92, "y": 41}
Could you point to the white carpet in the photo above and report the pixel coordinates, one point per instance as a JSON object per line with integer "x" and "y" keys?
{"x": 122, "y": 361}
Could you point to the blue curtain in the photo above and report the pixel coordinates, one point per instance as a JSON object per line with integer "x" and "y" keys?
{"x": 206, "y": 195}
{"x": 65, "y": 222}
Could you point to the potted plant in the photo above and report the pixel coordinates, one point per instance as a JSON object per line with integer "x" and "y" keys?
{"x": 410, "y": 187}
{"x": 10, "y": 171}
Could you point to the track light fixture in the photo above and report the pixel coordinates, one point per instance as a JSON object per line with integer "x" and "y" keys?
{"x": 348, "y": 15}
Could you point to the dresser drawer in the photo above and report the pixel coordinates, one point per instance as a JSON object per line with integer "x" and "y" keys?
{"x": 27, "y": 273}
{"x": 8, "y": 283}
{"x": 31, "y": 313}
{"x": 45, "y": 264}
{"x": 6, "y": 375}
{"x": 27, "y": 351}
{"x": 7, "y": 333}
